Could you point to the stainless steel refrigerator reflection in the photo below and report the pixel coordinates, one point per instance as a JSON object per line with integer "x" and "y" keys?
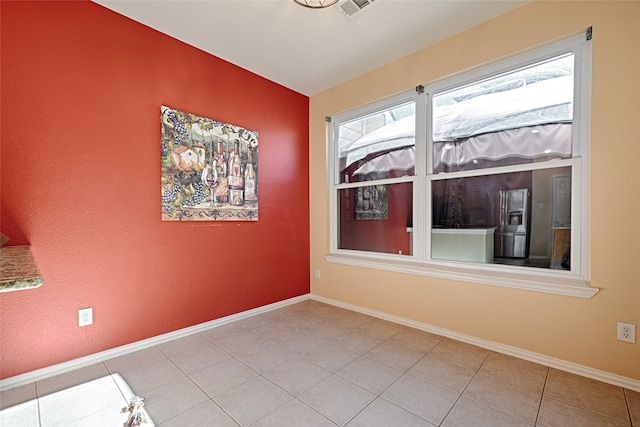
{"x": 511, "y": 236}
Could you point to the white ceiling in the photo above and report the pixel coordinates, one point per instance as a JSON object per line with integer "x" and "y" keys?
{"x": 309, "y": 50}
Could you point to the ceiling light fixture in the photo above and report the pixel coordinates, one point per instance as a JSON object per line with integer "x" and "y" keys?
{"x": 316, "y": 4}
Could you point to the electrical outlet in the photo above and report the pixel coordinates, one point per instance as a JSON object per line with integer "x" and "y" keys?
{"x": 85, "y": 316}
{"x": 627, "y": 332}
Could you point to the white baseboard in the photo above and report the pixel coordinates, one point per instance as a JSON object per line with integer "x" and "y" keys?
{"x": 552, "y": 362}
{"x": 61, "y": 368}
{"x": 585, "y": 371}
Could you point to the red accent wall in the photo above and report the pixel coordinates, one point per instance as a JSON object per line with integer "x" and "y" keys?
{"x": 81, "y": 90}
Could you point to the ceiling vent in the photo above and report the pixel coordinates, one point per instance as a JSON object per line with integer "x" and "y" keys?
{"x": 351, "y": 8}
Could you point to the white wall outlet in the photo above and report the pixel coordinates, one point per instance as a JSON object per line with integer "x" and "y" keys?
{"x": 317, "y": 273}
{"x": 85, "y": 316}
{"x": 627, "y": 332}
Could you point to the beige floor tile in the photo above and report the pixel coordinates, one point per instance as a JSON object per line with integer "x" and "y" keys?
{"x": 297, "y": 375}
{"x": 467, "y": 413}
{"x": 17, "y": 395}
{"x": 252, "y": 400}
{"x": 237, "y": 343}
{"x": 337, "y": 399}
{"x": 256, "y": 321}
{"x": 194, "y": 360}
{"x": 330, "y": 357}
{"x": 394, "y": 355}
{"x": 309, "y": 304}
{"x": 149, "y": 377}
{"x": 416, "y": 340}
{"x": 207, "y": 413}
{"x": 173, "y": 399}
{"x": 275, "y": 329}
{"x": 181, "y": 345}
{"x": 593, "y": 396}
{"x": 222, "y": 331}
{"x": 554, "y": 413}
{"x": 66, "y": 406}
{"x": 381, "y": 413}
{"x": 505, "y": 397}
{"x": 299, "y": 342}
{"x": 351, "y": 319}
{"x": 271, "y": 316}
{"x": 307, "y": 319}
{"x": 327, "y": 311}
{"x": 111, "y": 416}
{"x": 135, "y": 360}
{"x": 275, "y": 369}
{"x": 298, "y": 307}
{"x": 580, "y": 378}
{"x": 320, "y": 312}
{"x": 328, "y": 329}
{"x": 70, "y": 379}
{"x": 444, "y": 374}
{"x": 265, "y": 357}
{"x": 424, "y": 333}
{"x": 381, "y": 329}
{"x": 357, "y": 341}
{"x": 419, "y": 397}
{"x": 285, "y": 313}
{"x": 223, "y": 376}
{"x": 294, "y": 413}
{"x": 633, "y": 403}
{"x": 23, "y": 414}
{"x": 461, "y": 354}
{"x": 516, "y": 371}
{"x": 369, "y": 374}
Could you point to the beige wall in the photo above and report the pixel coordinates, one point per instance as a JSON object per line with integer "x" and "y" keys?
{"x": 582, "y": 331}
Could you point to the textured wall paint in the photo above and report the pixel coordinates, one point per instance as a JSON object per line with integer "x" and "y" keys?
{"x": 572, "y": 329}
{"x": 80, "y": 181}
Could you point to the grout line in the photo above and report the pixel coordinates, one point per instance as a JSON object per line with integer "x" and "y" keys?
{"x": 387, "y": 340}
{"x": 627, "y": 399}
{"x": 544, "y": 389}
{"x": 466, "y": 386}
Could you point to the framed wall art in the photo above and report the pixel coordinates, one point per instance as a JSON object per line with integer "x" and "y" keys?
{"x": 209, "y": 169}
{"x": 372, "y": 202}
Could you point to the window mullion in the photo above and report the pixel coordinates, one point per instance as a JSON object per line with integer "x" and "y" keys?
{"x": 332, "y": 179}
{"x": 420, "y": 203}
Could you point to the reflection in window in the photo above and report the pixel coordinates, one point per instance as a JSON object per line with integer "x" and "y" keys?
{"x": 378, "y": 146}
{"x": 375, "y": 218}
{"x": 512, "y": 120}
{"x": 520, "y": 213}
{"x": 521, "y": 117}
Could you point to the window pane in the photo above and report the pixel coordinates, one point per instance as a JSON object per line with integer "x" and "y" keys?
{"x": 521, "y": 218}
{"x": 521, "y": 117}
{"x": 380, "y": 145}
{"x": 375, "y": 218}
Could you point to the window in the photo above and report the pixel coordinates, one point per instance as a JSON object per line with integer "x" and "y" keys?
{"x": 481, "y": 177}
{"x": 376, "y": 164}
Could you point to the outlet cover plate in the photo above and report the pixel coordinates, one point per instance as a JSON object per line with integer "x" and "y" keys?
{"x": 627, "y": 332}
{"x": 85, "y": 316}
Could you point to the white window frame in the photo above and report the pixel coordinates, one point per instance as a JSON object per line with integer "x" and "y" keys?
{"x": 571, "y": 283}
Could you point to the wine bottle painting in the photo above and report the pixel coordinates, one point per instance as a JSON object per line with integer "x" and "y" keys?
{"x": 209, "y": 169}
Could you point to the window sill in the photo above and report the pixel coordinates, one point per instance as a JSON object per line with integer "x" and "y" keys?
{"x": 551, "y": 282}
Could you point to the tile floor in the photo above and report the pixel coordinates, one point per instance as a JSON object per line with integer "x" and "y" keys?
{"x": 312, "y": 364}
